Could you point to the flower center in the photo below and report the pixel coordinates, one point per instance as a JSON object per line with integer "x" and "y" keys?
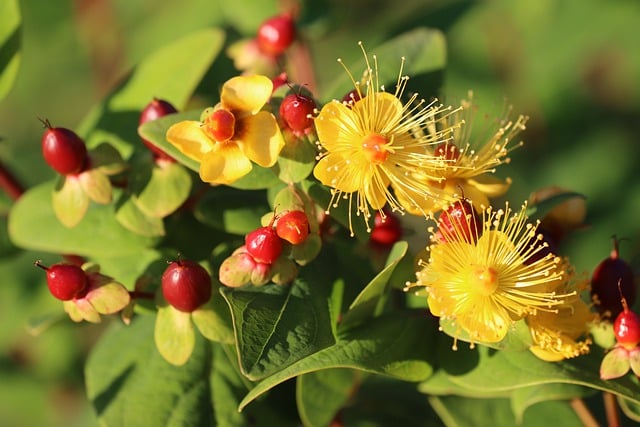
{"x": 374, "y": 148}
{"x": 220, "y": 125}
{"x": 485, "y": 280}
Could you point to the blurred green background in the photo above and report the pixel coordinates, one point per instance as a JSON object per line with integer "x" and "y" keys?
{"x": 573, "y": 66}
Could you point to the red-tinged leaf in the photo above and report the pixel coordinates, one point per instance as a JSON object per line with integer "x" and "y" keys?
{"x": 110, "y": 297}
{"x": 97, "y": 186}
{"x": 70, "y": 202}
{"x": 80, "y": 310}
{"x": 615, "y": 364}
{"x": 634, "y": 360}
{"x": 174, "y": 335}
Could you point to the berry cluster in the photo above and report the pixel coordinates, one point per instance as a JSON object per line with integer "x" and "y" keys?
{"x": 261, "y": 259}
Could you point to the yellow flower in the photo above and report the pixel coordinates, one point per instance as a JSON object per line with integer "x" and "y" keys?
{"x": 469, "y": 160}
{"x": 562, "y": 334}
{"x": 370, "y": 145}
{"x": 484, "y": 286}
{"x": 233, "y": 133}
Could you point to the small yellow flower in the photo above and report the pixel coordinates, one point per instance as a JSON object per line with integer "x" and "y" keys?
{"x": 484, "y": 286}
{"x": 232, "y": 134}
{"x": 370, "y": 145}
{"x": 469, "y": 160}
{"x": 562, "y": 334}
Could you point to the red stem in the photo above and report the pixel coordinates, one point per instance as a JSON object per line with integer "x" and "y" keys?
{"x": 141, "y": 295}
{"x": 10, "y": 184}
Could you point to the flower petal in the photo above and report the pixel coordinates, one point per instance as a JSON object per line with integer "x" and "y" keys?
{"x": 246, "y": 93}
{"x": 382, "y": 110}
{"x": 375, "y": 191}
{"x": 260, "y": 138}
{"x": 224, "y": 165}
{"x": 337, "y": 125}
{"x": 490, "y": 185}
{"x": 189, "y": 138}
{"x": 333, "y": 171}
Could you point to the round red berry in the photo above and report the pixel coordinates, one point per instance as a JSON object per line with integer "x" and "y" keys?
{"x": 459, "y": 222}
{"x": 154, "y": 110}
{"x": 65, "y": 281}
{"x": 63, "y": 150}
{"x": 351, "y": 97}
{"x": 627, "y": 328}
{"x": 264, "y": 245}
{"x": 296, "y": 110}
{"x": 293, "y": 227}
{"x": 604, "y": 283}
{"x": 276, "y": 34}
{"x": 186, "y": 285}
{"x": 386, "y": 231}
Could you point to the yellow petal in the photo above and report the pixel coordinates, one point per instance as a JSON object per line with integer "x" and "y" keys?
{"x": 260, "y": 138}
{"x": 333, "y": 171}
{"x": 225, "y": 165}
{"x": 375, "y": 191}
{"x": 246, "y": 93}
{"x": 337, "y": 125}
{"x": 490, "y": 185}
{"x": 380, "y": 112}
{"x": 489, "y": 322}
{"x": 189, "y": 138}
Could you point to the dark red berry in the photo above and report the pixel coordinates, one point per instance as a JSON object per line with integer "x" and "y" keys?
{"x": 459, "y": 222}
{"x": 63, "y": 150}
{"x": 386, "y": 231}
{"x": 351, "y": 97}
{"x": 154, "y": 110}
{"x": 186, "y": 285}
{"x": 296, "y": 110}
{"x": 65, "y": 281}
{"x": 293, "y": 227}
{"x": 276, "y": 34}
{"x": 627, "y": 326}
{"x": 604, "y": 283}
{"x": 264, "y": 245}
{"x": 448, "y": 151}
{"x": 541, "y": 245}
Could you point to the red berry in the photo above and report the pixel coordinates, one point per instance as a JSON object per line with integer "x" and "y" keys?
{"x": 385, "y": 231}
{"x": 186, "y": 285}
{"x": 63, "y": 150}
{"x": 293, "y": 227}
{"x": 65, "y": 281}
{"x": 296, "y": 110}
{"x": 459, "y": 222}
{"x": 604, "y": 283}
{"x": 154, "y": 110}
{"x": 448, "y": 151}
{"x": 276, "y": 34}
{"x": 541, "y": 245}
{"x": 351, "y": 97}
{"x": 264, "y": 245}
{"x": 627, "y": 328}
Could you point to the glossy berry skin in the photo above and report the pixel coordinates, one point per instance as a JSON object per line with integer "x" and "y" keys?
{"x": 627, "y": 329}
{"x": 154, "y": 110}
{"x": 186, "y": 285}
{"x": 293, "y": 227}
{"x": 264, "y": 245}
{"x": 64, "y": 150}
{"x": 385, "y": 232}
{"x": 604, "y": 284}
{"x": 296, "y": 111}
{"x": 276, "y": 34}
{"x": 66, "y": 281}
{"x": 459, "y": 222}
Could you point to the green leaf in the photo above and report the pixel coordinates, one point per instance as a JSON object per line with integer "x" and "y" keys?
{"x": 213, "y": 319}
{"x": 399, "y": 344}
{"x": 276, "y": 326}
{"x": 615, "y": 364}
{"x": 236, "y": 212}
{"x": 171, "y": 73}
{"x": 525, "y": 397}
{"x": 96, "y": 186}
{"x": 321, "y": 394}
{"x": 10, "y": 28}
{"x": 258, "y": 179}
{"x": 174, "y": 335}
{"x": 296, "y": 160}
{"x": 69, "y": 201}
{"x": 99, "y": 234}
{"x": 461, "y": 411}
{"x": 107, "y": 159}
{"x": 159, "y": 189}
{"x": 367, "y": 303}
{"x": 129, "y": 215}
{"x": 131, "y": 385}
{"x": 423, "y": 48}
{"x": 518, "y": 337}
{"x": 322, "y": 196}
